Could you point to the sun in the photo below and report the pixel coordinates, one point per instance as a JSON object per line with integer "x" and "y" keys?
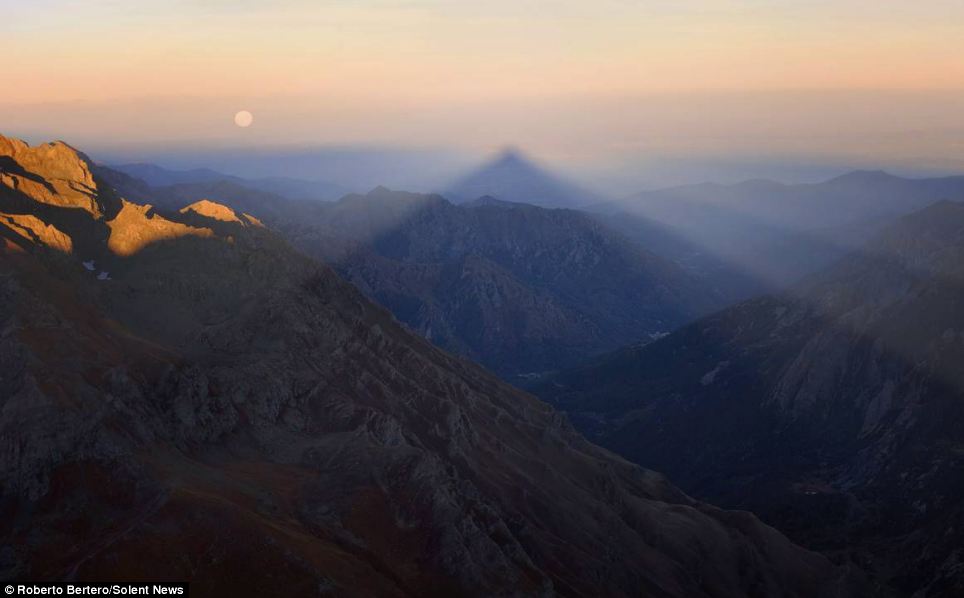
{"x": 243, "y": 118}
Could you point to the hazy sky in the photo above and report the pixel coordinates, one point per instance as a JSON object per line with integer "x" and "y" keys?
{"x": 612, "y": 84}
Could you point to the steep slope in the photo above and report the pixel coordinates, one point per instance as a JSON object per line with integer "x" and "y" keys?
{"x": 515, "y": 287}
{"x": 512, "y": 177}
{"x": 770, "y": 233}
{"x": 836, "y": 411}
{"x": 224, "y": 410}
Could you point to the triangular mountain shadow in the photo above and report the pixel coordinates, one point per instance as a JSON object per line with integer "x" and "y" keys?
{"x": 513, "y": 177}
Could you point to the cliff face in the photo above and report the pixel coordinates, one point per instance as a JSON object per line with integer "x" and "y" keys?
{"x": 835, "y": 411}
{"x": 222, "y": 409}
{"x": 52, "y": 173}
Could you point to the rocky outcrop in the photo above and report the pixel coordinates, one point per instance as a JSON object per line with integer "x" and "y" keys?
{"x": 210, "y": 209}
{"x": 34, "y": 230}
{"x": 51, "y": 173}
{"x": 49, "y": 194}
{"x": 136, "y": 227}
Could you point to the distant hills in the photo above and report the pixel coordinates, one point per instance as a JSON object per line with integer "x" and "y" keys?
{"x": 835, "y": 410}
{"x": 513, "y": 177}
{"x": 510, "y": 176}
{"x": 298, "y": 189}
{"x": 767, "y": 234}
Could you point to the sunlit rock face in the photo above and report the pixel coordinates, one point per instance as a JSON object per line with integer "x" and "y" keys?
{"x": 34, "y": 230}
{"x": 224, "y": 410}
{"x": 216, "y": 211}
{"x": 51, "y": 173}
{"x": 136, "y": 227}
{"x": 75, "y": 203}
{"x": 210, "y": 209}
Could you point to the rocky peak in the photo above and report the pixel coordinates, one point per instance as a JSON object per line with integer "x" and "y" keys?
{"x": 51, "y": 196}
{"x": 136, "y": 227}
{"x": 214, "y": 210}
{"x": 50, "y": 173}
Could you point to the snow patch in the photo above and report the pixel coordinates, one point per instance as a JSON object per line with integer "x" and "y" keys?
{"x": 89, "y": 265}
{"x": 103, "y": 276}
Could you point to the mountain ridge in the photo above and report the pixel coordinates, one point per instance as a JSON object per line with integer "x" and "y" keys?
{"x": 290, "y": 188}
{"x": 770, "y": 235}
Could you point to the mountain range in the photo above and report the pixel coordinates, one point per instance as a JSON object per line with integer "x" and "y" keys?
{"x": 834, "y": 410}
{"x": 517, "y": 288}
{"x": 185, "y": 396}
{"x": 760, "y": 235}
{"x": 290, "y": 188}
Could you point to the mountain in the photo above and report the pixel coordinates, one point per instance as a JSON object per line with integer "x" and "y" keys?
{"x": 768, "y": 235}
{"x": 517, "y": 288}
{"x": 835, "y": 411}
{"x": 186, "y": 397}
{"x": 289, "y": 188}
{"x": 512, "y": 177}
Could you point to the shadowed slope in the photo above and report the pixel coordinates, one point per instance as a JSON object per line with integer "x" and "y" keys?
{"x": 835, "y": 411}
{"x": 518, "y": 288}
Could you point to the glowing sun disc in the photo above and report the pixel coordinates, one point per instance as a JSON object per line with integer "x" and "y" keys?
{"x": 243, "y": 118}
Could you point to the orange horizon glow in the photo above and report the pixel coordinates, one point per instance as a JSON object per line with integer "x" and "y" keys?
{"x": 568, "y": 79}
{"x": 101, "y": 50}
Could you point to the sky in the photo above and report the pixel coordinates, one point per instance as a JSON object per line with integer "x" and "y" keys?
{"x": 639, "y": 91}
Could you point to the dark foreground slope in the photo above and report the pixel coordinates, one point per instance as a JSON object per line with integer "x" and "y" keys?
{"x": 184, "y": 397}
{"x": 836, "y": 412}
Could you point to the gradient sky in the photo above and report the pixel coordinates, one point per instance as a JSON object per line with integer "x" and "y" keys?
{"x": 613, "y": 84}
